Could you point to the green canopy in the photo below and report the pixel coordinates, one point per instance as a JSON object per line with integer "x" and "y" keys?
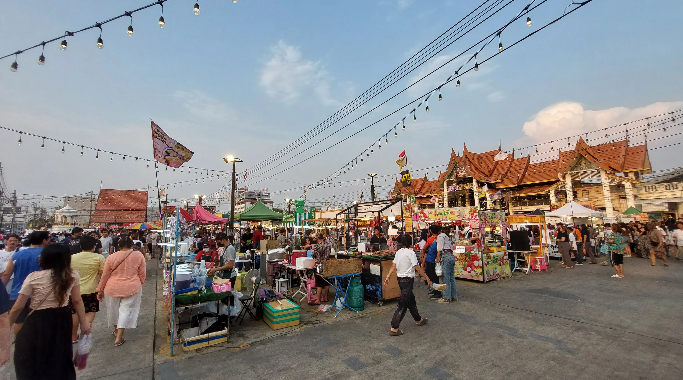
{"x": 259, "y": 211}
{"x": 632, "y": 211}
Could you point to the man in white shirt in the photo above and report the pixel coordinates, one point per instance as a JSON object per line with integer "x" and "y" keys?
{"x": 11, "y": 243}
{"x": 107, "y": 246}
{"x": 405, "y": 264}
{"x": 677, "y": 235}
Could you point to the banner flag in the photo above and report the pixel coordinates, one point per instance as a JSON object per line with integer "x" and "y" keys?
{"x": 168, "y": 151}
{"x": 402, "y": 160}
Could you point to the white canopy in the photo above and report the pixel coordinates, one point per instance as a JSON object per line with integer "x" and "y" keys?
{"x": 575, "y": 210}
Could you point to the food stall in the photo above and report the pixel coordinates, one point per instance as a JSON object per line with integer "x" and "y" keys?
{"x": 540, "y": 246}
{"x": 375, "y": 264}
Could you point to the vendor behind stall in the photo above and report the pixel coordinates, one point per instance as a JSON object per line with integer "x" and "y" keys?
{"x": 321, "y": 252}
{"x": 227, "y": 256}
{"x": 377, "y": 240}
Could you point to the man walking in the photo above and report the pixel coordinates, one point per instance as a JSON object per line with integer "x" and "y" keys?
{"x": 405, "y": 264}
{"x": 74, "y": 241}
{"x": 677, "y": 235}
{"x": 23, "y": 263}
{"x": 106, "y": 241}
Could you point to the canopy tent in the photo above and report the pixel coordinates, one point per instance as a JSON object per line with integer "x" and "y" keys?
{"x": 187, "y": 215}
{"x": 389, "y": 207}
{"x": 144, "y": 226}
{"x": 574, "y": 210}
{"x": 632, "y": 211}
{"x": 202, "y": 216}
{"x": 259, "y": 211}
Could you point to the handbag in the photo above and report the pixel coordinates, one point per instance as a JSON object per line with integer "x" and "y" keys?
{"x": 438, "y": 269}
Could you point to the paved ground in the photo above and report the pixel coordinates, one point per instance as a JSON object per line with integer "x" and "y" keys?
{"x": 562, "y": 324}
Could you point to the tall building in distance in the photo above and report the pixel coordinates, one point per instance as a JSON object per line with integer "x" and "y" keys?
{"x": 245, "y": 198}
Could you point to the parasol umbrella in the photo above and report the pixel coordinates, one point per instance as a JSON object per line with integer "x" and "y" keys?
{"x": 144, "y": 226}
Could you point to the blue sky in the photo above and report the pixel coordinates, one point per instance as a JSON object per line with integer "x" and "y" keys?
{"x": 248, "y": 78}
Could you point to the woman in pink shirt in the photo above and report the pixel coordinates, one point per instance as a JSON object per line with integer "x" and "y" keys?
{"x": 121, "y": 283}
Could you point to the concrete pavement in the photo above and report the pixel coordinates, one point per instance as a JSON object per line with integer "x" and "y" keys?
{"x": 564, "y": 324}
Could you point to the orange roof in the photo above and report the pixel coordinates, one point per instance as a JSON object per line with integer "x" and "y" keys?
{"x": 120, "y": 206}
{"x": 516, "y": 172}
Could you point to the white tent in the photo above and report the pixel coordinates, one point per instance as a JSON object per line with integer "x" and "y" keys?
{"x": 574, "y": 210}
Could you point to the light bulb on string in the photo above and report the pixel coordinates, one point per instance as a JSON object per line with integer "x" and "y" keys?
{"x": 62, "y": 148}
{"x": 43, "y": 146}
{"x": 111, "y": 159}
{"x": 528, "y": 21}
{"x": 63, "y": 45}
{"x": 41, "y": 59}
{"x": 130, "y": 27}
{"x": 476, "y": 66}
{"x": 395, "y": 133}
{"x": 97, "y": 156}
{"x": 14, "y": 66}
{"x": 457, "y": 84}
{"x": 440, "y": 97}
{"x": 196, "y": 9}
{"x": 162, "y": 22}
{"x": 500, "y": 43}
{"x": 20, "y": 137}
{"x": 100, "y": 42}
{"x": 414, "y": 117}
{"x": 404, "y": 123}
{"x": 427, "y": 107}
{"x": 81, "y": 150}
{"x": 386, "y": 139}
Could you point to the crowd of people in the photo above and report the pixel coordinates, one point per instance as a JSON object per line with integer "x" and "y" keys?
{"x": 54, "y": 284}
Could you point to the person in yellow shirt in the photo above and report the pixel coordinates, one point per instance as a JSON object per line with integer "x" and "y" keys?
{"x": 89, "y": 265}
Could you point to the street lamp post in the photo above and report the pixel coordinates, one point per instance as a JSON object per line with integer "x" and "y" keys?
{"x": 232, "y": 159}
{"x": 372, "y": 185}
{"x": 289, "y": 205}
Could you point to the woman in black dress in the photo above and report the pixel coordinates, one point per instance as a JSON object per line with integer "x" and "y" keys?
{"x": 43, "y": 345}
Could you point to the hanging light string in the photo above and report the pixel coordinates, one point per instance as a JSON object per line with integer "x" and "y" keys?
{"x": 97, "y": 25}
{"x": 528, "y": 8}
{"x": 454, "y": 77}
{"x": 82, "y": 147}
{"x": 439, "y": 44}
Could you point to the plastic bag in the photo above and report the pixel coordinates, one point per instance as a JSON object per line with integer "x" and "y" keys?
{"x": 438, "y": 269}
{"x": 82, "y": 351}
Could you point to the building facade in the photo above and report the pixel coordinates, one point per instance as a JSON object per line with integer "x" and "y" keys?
{"x": 245, "y": 198}
{"x": 603, "y": 177}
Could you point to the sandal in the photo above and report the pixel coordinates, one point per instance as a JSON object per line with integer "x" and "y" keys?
{"x": 615, "y": 275}
{"x": 119, "y": 343}
{"x": 422, "y": 322}
{"x": 396, "y": 333}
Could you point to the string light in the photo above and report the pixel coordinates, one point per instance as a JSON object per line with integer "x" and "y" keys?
{"x": 20, "y": 137}
{"x": 63, "y": 45}
{"x": 41, "y": 59}
{"x": 404, "y": 123}
{"x": 130, "y": 28}
{"x": 100, "y": 42}
{"x": 440, "y": 97}
{"x": 427, "y": 107}
{"x": 500, "y": 44}
{"x": 14, "y": 66}
{"x": 97, "y": 156}
{"x": 81, "y": 150}
{"x": 414, "y": 116}
{"x": 196, "y": 9}
{"x": 162, "y": 22}
{"x": 63, "y": 148}
{"x": 457, "y": 84}
{"x": 528, "y": 21}
{"x": 43, "y": 146}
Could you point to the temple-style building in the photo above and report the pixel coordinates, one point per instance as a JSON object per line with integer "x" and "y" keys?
{"x": 601, "y": 177}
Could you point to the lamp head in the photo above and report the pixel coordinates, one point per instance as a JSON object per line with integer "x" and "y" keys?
{"x": 229, "y": 158}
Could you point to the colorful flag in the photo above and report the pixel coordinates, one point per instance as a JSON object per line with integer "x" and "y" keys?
{"x": 168, "y": 151}
{"x": 402, "y": 160}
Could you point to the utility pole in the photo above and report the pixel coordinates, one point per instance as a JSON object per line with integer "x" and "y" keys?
{"x": 372, "y": 185}
{"x": 90, "y": 215}
{"x": 14, "y": 212}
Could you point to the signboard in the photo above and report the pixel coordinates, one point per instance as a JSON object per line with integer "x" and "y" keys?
{"x": 656, "y": 207}
{"x": 405, "y": 178}
{"x": 408, "y": 216}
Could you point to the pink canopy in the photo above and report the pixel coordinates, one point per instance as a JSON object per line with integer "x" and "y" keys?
{"x": 205, "y": 217}
{"x": 188, "y": 217}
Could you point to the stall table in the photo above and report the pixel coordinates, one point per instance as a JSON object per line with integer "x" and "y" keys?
{"x": 374, "y": 271}
{"x": 341, "y": 291}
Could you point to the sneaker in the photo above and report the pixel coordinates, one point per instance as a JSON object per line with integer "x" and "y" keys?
{"x": 579, "y": 263}
{"x": 435, "y": 296}
{"x": 442, "y": 300}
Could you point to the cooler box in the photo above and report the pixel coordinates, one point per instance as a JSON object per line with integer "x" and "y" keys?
{"x": 279, "y": 315}
{"x": 296, "y": 255}
{"x": 305, "y": 263}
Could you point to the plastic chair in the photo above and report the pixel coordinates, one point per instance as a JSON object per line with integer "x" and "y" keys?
{"x": 541, "y": 264}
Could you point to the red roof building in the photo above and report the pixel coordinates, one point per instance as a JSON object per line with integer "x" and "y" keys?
{"x": 518, "y": 184}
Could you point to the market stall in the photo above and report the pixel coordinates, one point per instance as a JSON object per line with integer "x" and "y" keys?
{"x": 483, "y": 256}
{"x": 377, "y": 263}
{"x": 529, "y": 251}
{"x": 571, "y": 212}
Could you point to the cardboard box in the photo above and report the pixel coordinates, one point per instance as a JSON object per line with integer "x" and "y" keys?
{"x": 205, "y": 340}
{"x": 342, "y": 266}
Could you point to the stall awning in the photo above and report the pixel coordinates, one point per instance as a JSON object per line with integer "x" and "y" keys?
{"x": 373, "y": 209}
{"x": 202, "y": 216}
{"x": 259, "y": 211}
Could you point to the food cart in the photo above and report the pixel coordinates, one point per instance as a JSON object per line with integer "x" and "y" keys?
{"x": 541, "y": 243}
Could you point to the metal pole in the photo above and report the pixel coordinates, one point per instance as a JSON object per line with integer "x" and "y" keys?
{"x": 90, "y": 215}
{"x": 14, "y": 212}
{"x": 175, "y": 263}
{"x": 232, "y": 200}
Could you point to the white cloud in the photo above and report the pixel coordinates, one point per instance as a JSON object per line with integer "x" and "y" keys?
{"x": 570, "y": 118}
{"x": 205, "y": 107}
{"x": 288, "y": 76}
{"x": 495, "y": 96}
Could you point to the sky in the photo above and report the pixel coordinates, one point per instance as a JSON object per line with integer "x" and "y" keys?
{"x": 249, "y": 78}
